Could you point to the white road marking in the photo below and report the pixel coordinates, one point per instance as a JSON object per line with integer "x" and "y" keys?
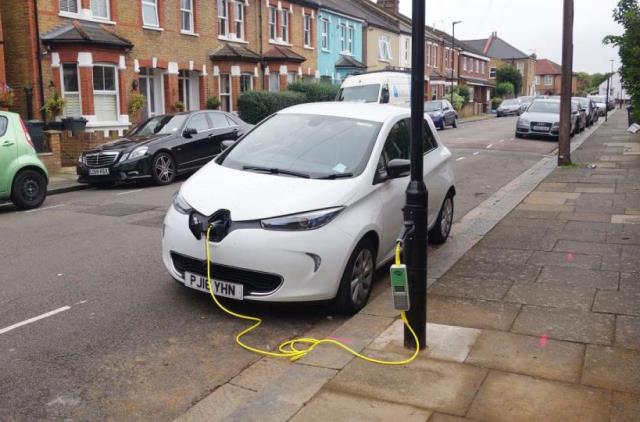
{"x": 460, "y": 159}
{"x": 476, "y": 153}
{"x": 34, "y": 319}
{"x": 129, "y": 192}
{"x": 489, "y": 146}
{"x": 81, "y": 302}
{"x": 47, "y": 208}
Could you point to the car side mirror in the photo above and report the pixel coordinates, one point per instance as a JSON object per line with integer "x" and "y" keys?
{"x": 224, "y": 145}
{"x": 189, "y": 132}
{"x": 398, "y": 167}
{"x": 384, "y": 97}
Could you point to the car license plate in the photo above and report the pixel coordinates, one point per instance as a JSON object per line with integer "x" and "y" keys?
{"x": 220, "y": 288}
{"x": 99, "y": 172}
{"x": 541, "y": 128}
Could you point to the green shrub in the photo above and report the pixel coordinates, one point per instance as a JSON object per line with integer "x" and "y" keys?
{"x": 495, "y": 102}
{"x": 504, "y": 89}
{"x": 213, "y": 103}
{"x": 254, "y": 106}
{"x": 315, "y": 91}
{"x": 463, "y": 91}
{"x": 458, "y": 101}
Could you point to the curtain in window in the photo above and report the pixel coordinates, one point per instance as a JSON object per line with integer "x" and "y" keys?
{"x": 100, "y": 9}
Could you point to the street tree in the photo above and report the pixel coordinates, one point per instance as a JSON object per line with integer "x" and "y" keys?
{"x": 627, "y": 14}
{"x": 512, "y": 75}
{"x": 504, "y": 89}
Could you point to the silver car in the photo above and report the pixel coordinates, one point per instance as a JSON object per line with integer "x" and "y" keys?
{"x": 510, "y": 107}
{"x": 542, "y": 118}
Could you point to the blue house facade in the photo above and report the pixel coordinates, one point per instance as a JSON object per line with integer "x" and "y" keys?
{"x": 340, "y": 44}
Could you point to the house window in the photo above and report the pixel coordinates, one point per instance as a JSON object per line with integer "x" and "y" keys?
{"x": 246, "y": 82}
{"x": 548, "y": 79}
{"x": 100, "y": 9}
{"x": 351, "y": 31}
{"x": 223, "y": 18}
{"x": 292, "y": 77}
{"x": 477, "y": 65}
{"x": 446, "y": 58}
{"x": 186, "y": 11}
{"x": 71, "y": 90}
{"x": 69, "y": 6}
{"x": 492, "y": 72}
{"x": 464, "y": 64}
{"x": 239, "y": 18}
{"x": 482, "y": 68}
{"x": 150, "y": 13}
{"x": 105, "y": 93}
{"x": 407, "y": 50}
{"x": 343, "y": 37}
{"x": 284, "y": 25}
{"x": 272, "y": 23}
{"x": 384, "y": 48}
{"x": 225, "y": 91}
{"x": 184, "y": 89}
{"x": 151, "y": 88}
{"x": 428, "y": 54}
{"x": 537, "y": 80}
{"x": 307, "y": 30}
{"x": 520, "y": 67}
{"x": 325, "y": 34}
{"x": 434, "y": 51}
{"x": 274, "y": 82}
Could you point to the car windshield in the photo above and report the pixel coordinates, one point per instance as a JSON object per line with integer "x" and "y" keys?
{"x": 544, "y": 107}
{"x": 318, "y": 146}
{"x": 364, "y": 93}
{"x": 598, "y": 99}
{"x": 160, "y": 125}
{"x": 433, "y": 106}
{"x": 584, "y": 102}
{"x": 510, "y": 102}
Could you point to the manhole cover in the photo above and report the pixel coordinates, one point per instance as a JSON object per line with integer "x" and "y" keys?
{"x": 118, "y": 210}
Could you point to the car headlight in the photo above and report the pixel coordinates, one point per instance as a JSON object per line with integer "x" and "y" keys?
{"x": 136, "y": 153}
{"x": 556, "y": 124}
{"x": 305, "y": 221}
{"x": 523, "y": 122}
{"x": 181, "y": 205}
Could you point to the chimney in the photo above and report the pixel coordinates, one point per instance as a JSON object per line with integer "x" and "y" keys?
{"x": 487, "y": 45}
{"x": 392, "y": 6}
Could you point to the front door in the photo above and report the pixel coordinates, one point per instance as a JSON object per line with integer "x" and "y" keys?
{"x": 8, "y": 153}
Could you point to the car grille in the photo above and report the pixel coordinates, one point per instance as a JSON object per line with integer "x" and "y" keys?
{"x": 254, "y": 281}
{"x": 100, "y": 159}
{"x": 540, "y": 124}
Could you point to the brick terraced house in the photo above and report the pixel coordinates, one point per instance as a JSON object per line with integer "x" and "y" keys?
{"x": 176, "y": 53}
{"x": 548, "y": 79}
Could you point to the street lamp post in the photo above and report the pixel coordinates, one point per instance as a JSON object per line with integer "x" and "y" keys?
{"x": 453, "y": 52}
{"x": 417, "y": 197}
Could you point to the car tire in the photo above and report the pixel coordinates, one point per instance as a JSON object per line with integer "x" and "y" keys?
{"x": 102, "y": 185}
{"x": 29, "y": 189}
{"x": 440, "y": 231}
{"x": 518, "y": 135}
{"x": 455, "y": 123}
{"x": 360, "y": 270}
{"x": 443, "y": 126}
{"x": 163, "y": 169}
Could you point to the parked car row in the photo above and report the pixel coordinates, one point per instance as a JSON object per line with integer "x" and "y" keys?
{"x": 542, "y": 117}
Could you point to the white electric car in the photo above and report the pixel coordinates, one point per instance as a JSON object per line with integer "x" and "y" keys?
{"x": 307, "y": 205}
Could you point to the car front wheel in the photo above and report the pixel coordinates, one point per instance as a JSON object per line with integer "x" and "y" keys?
{"x": 440, "y": 232}
{"x": 357, "y": 280}
{"x": 29, "y": 189}
{"x": 163, "y": 169}
{"x": 455, "y": 123}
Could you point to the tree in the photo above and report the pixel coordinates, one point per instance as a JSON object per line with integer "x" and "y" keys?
{"x": 596, "y": 80}
{"x": 584, "y": 81}
{"x": 512, "y": 75}
{"x": 627, "y": 14}
{"x": 464, "y": 92}
{"x": 504, "y": 89}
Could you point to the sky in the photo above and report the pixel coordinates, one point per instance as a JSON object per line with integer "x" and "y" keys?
{"x": 532, "y": 26}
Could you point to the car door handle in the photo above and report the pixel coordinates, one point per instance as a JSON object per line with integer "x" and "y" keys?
{"x": 211, "y": 135}
{"x": 7, "y": 143}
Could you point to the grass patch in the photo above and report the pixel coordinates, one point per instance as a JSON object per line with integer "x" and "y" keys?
{"x": 572, "y": 166}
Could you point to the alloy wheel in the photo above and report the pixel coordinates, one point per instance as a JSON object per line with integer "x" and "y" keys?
{"x": 362, "y": 277}
{"x": 447, "y": 217}
{"x": 164, "y": 168}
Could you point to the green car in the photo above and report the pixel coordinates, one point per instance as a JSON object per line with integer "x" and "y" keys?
{"x": 23, "y": 177}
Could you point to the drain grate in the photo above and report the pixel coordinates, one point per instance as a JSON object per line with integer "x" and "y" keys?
{"x": 118, "y": 210}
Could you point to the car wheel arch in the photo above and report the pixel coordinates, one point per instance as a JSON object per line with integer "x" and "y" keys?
{"x": 27, "y": 168}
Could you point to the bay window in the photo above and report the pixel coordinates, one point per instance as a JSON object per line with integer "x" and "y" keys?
{"x": 307, "y": 30}
{"x": 150, "y": 13}
{"x": 186, "y": 14}
{"x": 105, "y": 93}
{"x": 223, "y": 18}
{"x": 284, "y": 25}
{"x": 100, "y": 9}
{"x": 71, "y": 90}
{"x": 70, "y": 6}
{"x": 239, "y": 20}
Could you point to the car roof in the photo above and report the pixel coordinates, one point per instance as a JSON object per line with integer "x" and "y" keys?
{"x": 353, "y": 110}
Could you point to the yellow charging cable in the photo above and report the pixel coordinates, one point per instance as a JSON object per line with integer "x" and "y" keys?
{"x": 289, "y": 348}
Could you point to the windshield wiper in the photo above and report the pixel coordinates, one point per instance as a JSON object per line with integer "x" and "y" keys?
{"x": 277, "y": 171}
{"x": 336, "y": 176}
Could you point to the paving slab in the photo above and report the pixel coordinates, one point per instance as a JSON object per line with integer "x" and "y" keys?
{"x": 471, "y": 313}
{"x": 621, "y": 263}
{"x": 628, "y": 332}
{"x": 444, "y": 342}
{"x": 612, "y": 368}
{"x": 519, "y": 213}
{"x": 550, "y": 198}
{"x": 336, "y": 406}
{"x": 508, "y": 397}
{"x": 553, "y": 187}
{"x": 617, "y": 302}
{"x": 588, "y": 248}
{"x": 579, "y": 277}
{"x": 566, "y": 324}
{"x": 426, "y": 383}
{"x": 469, "y": 287}
{"x": 502, "y": 255}
{"x": 625, "y": 407}
{"x": 546, "y": 207}
{"x": 542, "y": 294}
{"x": 590, "y": 189}
{"x": 596, "y": 217}
{"x": 625, "y": 219}
{"x": 518, "y": 273}
{"x": 382, "y": 306}
{"x": 630, "y": 282}
{"x": 221, "y": 404}
{"x": 565, "y": 259}
{"x": 536, "y": 356}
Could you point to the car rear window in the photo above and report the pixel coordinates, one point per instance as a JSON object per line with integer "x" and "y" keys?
{"x": 4, "y": 123}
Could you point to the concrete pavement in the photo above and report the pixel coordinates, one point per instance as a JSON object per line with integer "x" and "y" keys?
{"x": 540, "y": 320}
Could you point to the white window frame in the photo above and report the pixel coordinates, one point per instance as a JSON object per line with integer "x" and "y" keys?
{"x": 482, "y": 67}
{"x": 492, "y": 72}
{"x": 154, "y": 4}
{"x": 68, "y": 2}
{"x": 66, "y": 93}
{"x": 226, "y": 94}
{"x": 384, "y": 48}
{"x": 464, "y": 63}
{"x": 192, "y": 20}
{"x": 407, "y": 50}
{"x": 107, "y": 6}
{"x": 115, "y": 92}
{"x": 273, "y": 30}
{"x": 149, "y": 77}
{"x": 351, "y": 35}
{"x": 284, "y": 25}
{"x": 239, "y": 19}
{"x": 537, "y": 80}
{"x": 223, "y": 18}
{"x": 548, "y": 80}
{"x": 446, "y": 57}
{"x": 306, "y": 25}
{"x": 184, "y": 88}
{"x": 435, "y": 56}
{"x": 247, "y": 76}
{"x": 343, "y": 37}
{"x": 477, "y": 65}
{"x": 274, "y": 87}
{"x": 326, "y": 46}
{"x": 428, "y": 55}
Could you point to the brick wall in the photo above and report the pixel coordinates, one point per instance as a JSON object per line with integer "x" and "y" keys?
{"x": 71, "y": 147}
{"x": 52, "y": 159}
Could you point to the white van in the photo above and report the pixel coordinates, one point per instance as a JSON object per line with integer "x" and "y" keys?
{"x": 377, "y": 87}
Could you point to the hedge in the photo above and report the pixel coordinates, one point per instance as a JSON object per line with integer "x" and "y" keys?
{"x": 316, "y": 91}
{"x": 254, "y": 106}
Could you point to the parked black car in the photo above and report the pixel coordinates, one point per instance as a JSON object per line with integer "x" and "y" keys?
{"x": 160, "y": 148}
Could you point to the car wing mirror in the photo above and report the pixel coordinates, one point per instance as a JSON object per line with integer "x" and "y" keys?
{"x": 224, "y": 145}
{"x": 398, "y": 167}
{"x": 189, "y": 132}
